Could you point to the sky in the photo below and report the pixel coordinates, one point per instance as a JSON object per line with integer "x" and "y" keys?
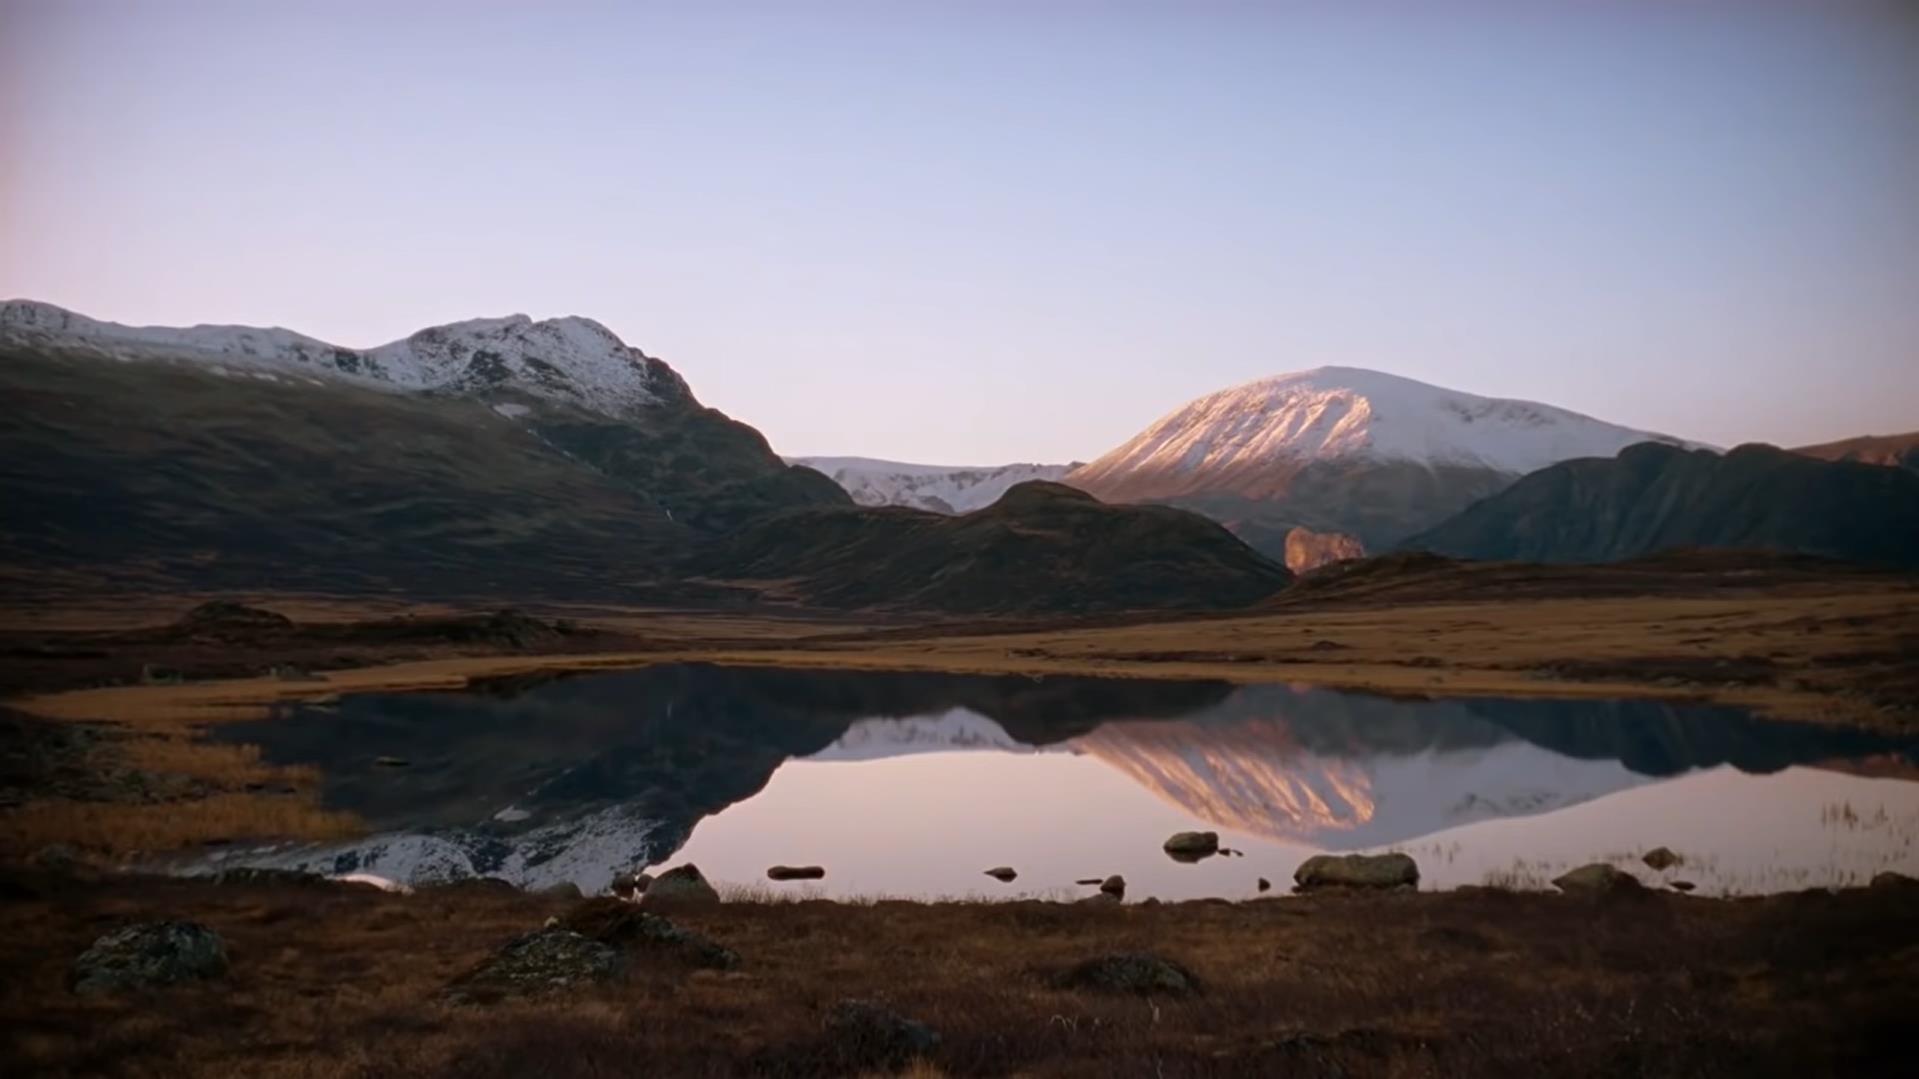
{"x": 970, "y": 233}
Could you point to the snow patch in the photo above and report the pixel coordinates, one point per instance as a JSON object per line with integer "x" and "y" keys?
{"x": 941, "y": 488}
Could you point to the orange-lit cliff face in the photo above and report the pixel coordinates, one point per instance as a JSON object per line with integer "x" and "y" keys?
{"x": 1251, "y": 776}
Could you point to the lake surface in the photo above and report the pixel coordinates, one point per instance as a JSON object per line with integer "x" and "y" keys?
{"x": 912, "y": 784}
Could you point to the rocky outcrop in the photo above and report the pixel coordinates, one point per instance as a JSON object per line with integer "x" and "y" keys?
{"x": 1307, "y": 550}
{"x": 626, "y": 927}
{"x": 545, "y": 961}
{"x": 1393, "y": 870}
{"x": 148, "y": 956}
{"x": 1140, "y": 973}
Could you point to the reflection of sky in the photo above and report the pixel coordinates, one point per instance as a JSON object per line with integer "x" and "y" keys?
{"x": 929, "y": 823}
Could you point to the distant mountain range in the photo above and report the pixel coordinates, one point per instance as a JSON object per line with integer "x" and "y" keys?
{"x": 1653, "y": 497}
{"x": 940, "y": 488}
{"x": 1899, "y": 451}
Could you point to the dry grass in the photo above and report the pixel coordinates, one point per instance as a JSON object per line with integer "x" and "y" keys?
{"x": 343, "y": 982}
{"x": 132, "y": 828}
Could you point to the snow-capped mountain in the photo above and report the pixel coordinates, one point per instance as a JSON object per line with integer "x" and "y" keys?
{"x": 955, "y": 730}
{"x": 1341, "y": 449}
{"x": 940, "y": 488}
{"x": 570, "y": 361}
{"x": 1332, "y": 413}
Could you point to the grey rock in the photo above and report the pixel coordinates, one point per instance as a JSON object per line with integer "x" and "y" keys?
{"x": 1192, "y": 844}
{"x": 683, "y": 886}
{"x": 1393, "y": 870}
{"x": 1597, "y": 878}
{"x": 545, "y": 961}
{"x": 1130, "y": 973}
{"x": 1682, "y": 885}
{"x": 1265, "y": 885}
{"x": 869, "y": 1033}
{"x": 149, "y": 955}
{"x": 1005, "y": 874}
{"x": 1660, "y": 859}
{"x": 630, "y": 929}
{"x": 1114, "y": 885}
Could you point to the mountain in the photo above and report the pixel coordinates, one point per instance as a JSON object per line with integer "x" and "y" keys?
{"x": 1340, "y": 449}
{"x": 940, "y": 488}
{"x": 1652, "y": 497}
{"x": 1899, "y": 451}
{"x": 1041, "y": 547}
{"x": 497, "y": 455}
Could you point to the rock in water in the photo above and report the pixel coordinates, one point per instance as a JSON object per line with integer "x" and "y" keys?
{"x": 1660, "y": 859}
{"x": 1596, "y": 879}
{"x": 1265, "y": 885}
{"x": 148, "y": 955}
{"x": 796, "y": 872}
{"x": 540, "y": 962}
{"x": 1114, "y": 886}
{"x": 1357, "y": 871}
{"x": 1193, "y": 844}
{"x": 868, "y": 1034}
{"x": 683, "y": 886}
{"x": 1005, "y": 874}
{"x": 1130, "y": 973}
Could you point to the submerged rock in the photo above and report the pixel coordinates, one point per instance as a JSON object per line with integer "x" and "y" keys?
{"x": 796, "y": 872}
{"x": 1114, "y": 885}
{"x": 1597, "y": 878}
{"x": 1265, "y": 885}
{"x": 1682, "y": 885}
{"x": 1005, "y": 874}
{"x": 1660, "y": 859}
{"x": 1192, "y": 845}
{"x": 545, "y": 961}
{"x": 149, "y": 955}
{"x": 1130, "y": 973}
{"x": 685, "y": 886}
{"x": 1393, "y": 870}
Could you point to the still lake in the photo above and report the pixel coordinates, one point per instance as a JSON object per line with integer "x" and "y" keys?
{"x": 912, "y": 784}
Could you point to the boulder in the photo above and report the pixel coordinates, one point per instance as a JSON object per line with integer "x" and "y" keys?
{"x": 545, "y": 961}
{"x": 149, "y": 955}
{"x": 1660, "y": 859}
{"x": 867, "y": 1034}
{"x": 1192, "y": 844}
{"x": 796, "y": 872}
{"x": 1005, "y": 874}
{"x": 1265, "y": 885}
{"x": 626, "y": 927}
{"x": 683, "y": 886}
{"x": 1597, "y": 878}
{"x": 1682, "y": 886}
{"x": 1114, "y": 885}
{"x": 1130, "y": 973}
{"x": 1393, "y": 870}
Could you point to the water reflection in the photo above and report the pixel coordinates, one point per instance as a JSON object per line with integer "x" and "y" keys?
{"x": 915, "y": 783}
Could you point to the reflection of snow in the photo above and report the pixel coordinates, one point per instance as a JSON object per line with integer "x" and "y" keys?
{"x": 958, "y": 729}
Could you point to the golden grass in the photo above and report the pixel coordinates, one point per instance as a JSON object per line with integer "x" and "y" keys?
{"x": 136, "y": 827}
{"x": 344, "y": 982}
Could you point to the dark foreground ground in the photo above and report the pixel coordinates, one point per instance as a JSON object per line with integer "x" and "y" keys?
{"x": 335, "y": 980}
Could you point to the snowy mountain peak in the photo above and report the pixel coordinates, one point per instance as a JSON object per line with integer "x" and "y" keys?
{"x": 571, "y": 361}
{"x": 940, "y": 488}
{"x": 1330, "y": 413}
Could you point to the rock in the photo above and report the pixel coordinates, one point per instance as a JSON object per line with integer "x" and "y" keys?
{"x": 682, "y": 886}
{"x": 1265, "y": 885}
{"x": 1130, "y": 973}
{"x": 1660, "y": 859}
{"x": 1393, "y": 870}
{"x": 1103, "y": 899}
{"x": 628, "y": 928}
{"x": 1089, "y": 881}
{"x": 1005, "y": 874}
{"x": 1193, "y": 844}
{"x": 1114, "y": 885}
{"x": 796, "y": 872}
{"x": 391, "y": 762}
{"x": 1682, "y": 885}
{"x": 1596, "y": 879}
{"x": 1307, "y": 550}
{"x": 870, "y": 1034}
{"x": 149, "y": 955}
{"x": 565, "y": 889}
{"x": 540, "y": 962}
